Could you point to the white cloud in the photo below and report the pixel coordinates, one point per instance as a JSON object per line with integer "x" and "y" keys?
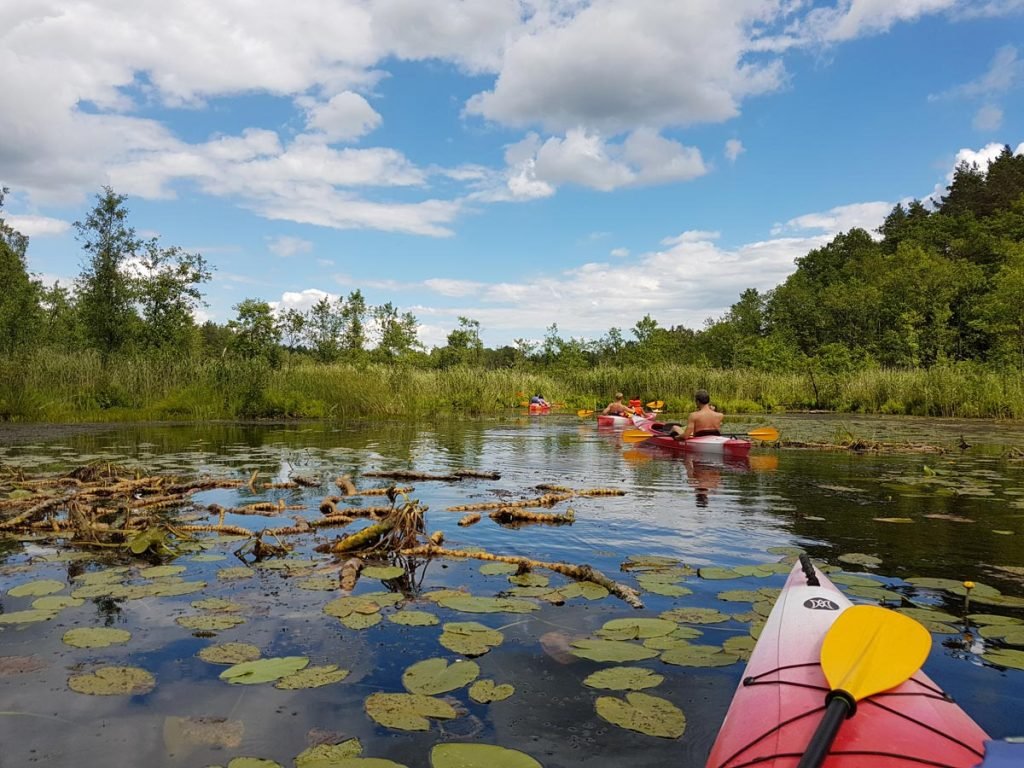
{"x": 692, "y": 236}
{"x": 867, "y": 216}
{"x": 346, "y": 116}
{"x": 988, "y": 118}
{"x": 37, "y": 226}
{"x": 301, "y": 300}
{"x": 448, "y": 287}
{"x": 613, "y": 66}
{"x": 733, "y": 149}
{"x": 1004, "y": 73}
{"x": 286, "y": 245}
{"x": 619, "y": 253}
{"x": 850, "y": 19}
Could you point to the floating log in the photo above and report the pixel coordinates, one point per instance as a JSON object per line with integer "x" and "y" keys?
{"x": 470, "y": 519}
{"x": 547, "y": 500}
{"x": 517, "y": 514}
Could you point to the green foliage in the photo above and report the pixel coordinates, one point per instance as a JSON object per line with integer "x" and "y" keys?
{"x": 257, "y": 333}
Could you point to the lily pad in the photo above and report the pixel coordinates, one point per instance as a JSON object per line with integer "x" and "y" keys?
{"x": 407, "y": 711}
{"x": 328, "y": 755}
{"x": 470, "y": 638}
{"x": 643, "y": 713}
{"x": 217, "y": 605}
{"x": 718, "y": 573}
{"x": 161, "y": 571}
{"x": 455, "y": 755}
{"x": 486, "y": 691}
{"x": 212, "y": 622}
{"x": 96, "y": 637}
{"x": 182, "y": 733}
{"x": 346, "y": 606}
{"x": 530, "y": 580}
{"x": 740, "y": 645}
{"x": 253, "y": 762}
{"x": 739, "y": 596}
{"x": 610, "y": 650}
{"x": 433, "y": 676}
{"x": 37, "y": 588}
{"x": 623, "y": 679}
{"x": 1006, "y": 657}
{"x": 26, "y": 617}
{"x": 993, "y": 618}
{"x": 698, "y": 656}
{"x": 496, "y": 569}
{"x": 414, "y": 618}
{"x": 263, "y": 670}
{"x": 924, "y": 614}
{"x": 56, "y": 602}
{"x": 229, "y": 653}
{"x": 876, "y": 593}
{"x": 641, "y": 563}
{"x": 634, "y": 629}
{"x": 361, "y": 620}
{"x": 383, "y": 572}
{"x": 694, "y": 616}
{"x": 318, "y": 584}
{"x": 208, "y": 558}
{"x": 235, "y": 574}
{"x": 472, "y": 604}
{"x": 859, "y": 558}
{"x": 113, "y": 681}
{"x": 312, "y": 677}
{"x": 585, "y": 589}
{"x": 853, "y": 580}
{"x": 663, "y": 588}
{"x": 384, "y": 599}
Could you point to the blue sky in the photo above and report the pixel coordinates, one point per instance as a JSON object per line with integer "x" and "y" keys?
{"x": 521, "y": 162}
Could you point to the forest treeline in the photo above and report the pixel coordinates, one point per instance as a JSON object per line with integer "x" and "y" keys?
{"x": 935, "y": 295}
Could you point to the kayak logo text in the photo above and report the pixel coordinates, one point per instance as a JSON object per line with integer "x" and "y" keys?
{"x": 820, "y": 604}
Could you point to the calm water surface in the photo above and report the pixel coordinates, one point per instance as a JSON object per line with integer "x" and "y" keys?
{"x": 967, "y": 520}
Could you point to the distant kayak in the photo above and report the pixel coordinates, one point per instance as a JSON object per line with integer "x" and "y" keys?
{"x": 727, "y": 445}
{"x": 781, "y": 698}
{"x": 537, "y": 408}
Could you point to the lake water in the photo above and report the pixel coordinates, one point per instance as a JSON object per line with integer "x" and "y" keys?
{"x": 966, "y": 521}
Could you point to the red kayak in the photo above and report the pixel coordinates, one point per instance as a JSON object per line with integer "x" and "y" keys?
{"x": 538, "y": 408}
{"x": 781, "y": 700}
{"x": 723, "y": 445}
{"x": 605, "y": 420}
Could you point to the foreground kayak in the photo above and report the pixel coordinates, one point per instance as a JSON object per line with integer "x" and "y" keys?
{"x": 781, "y": 699}
{"x": 604, "y": 420}
{"x": 728, "y": 445}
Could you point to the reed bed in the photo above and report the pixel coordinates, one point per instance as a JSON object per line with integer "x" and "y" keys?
{"x": 55, "y": 387}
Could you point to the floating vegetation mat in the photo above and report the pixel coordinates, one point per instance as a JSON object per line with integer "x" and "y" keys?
{"x": 320, "y": 618}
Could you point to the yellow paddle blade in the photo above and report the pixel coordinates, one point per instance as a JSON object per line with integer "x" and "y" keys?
{"x": 656, "y": 404}
{"x": 524, "y": 403}
{"x": 769, "y": 434}
{"x": 870, "y": 649}
{"x": 635, "y": 435}
{"x": 583, "y": 412}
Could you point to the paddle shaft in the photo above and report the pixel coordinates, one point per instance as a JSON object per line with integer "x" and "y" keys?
{"x": 839, "y": 708}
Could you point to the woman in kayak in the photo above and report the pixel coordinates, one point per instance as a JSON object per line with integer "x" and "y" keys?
{"x": 704, "y": 421}
{"x": 616, "y": 408}
{"x": 538, "y": 399}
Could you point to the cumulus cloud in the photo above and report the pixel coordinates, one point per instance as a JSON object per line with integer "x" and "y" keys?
{"x": 37, "y": 226}
{"x": 867, "y": 216}
{"x": 733, "y": 149}
{"x": 286, "y": 245}
{"x": 850, "y": 19}
{"x": 301, "y": 300}
{"x": 344, "y": 117}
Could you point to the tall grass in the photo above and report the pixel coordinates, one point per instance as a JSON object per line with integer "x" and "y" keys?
{"x": 56, "y": 387}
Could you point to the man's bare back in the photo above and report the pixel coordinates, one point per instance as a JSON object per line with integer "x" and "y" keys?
{"x": 705, "y": 420}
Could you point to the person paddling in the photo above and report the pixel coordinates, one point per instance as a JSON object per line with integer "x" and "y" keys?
{"x": 616, "y": 408}
{"x": 704, "y": 421}
{"x": 538, "y": 399}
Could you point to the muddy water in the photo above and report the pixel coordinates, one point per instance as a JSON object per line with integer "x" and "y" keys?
{"x": 958, "y": 515}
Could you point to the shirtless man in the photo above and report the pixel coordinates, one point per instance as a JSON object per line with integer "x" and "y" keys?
{"x": 616, "y": 408}
{"x": 704, "y": 421}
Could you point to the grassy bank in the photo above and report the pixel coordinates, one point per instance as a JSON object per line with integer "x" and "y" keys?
{"x": 50, "y": 387}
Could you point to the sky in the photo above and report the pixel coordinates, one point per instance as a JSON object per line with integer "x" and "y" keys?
{"x": 518, "y": 162}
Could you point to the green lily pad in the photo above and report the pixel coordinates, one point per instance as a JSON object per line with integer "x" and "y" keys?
{"x": 235, "y": 574}
{"x": 437, "y": 595}
{"x": 643, "y": 713}
{"x": 859, "y": 558}
{"x": 875, "y": 593}
{"x": 739, "y": 596}
{"x": 758, "y": 571}
{"x": 361, "y": 620}
{"x": 96, "y": 637}
{"x": 229, "y": 653}
{"x": 699, "y": 656}
{"x": 212, "y": 622}
{"x": 106, "y": 576}
{"x": 472, "y": 604}
{"x": 312, "y": 677}
{"x": 455, "y": 755}
{"x": 785, "y": 551}
{"x": 253, "y": 762}
{"x": 854, "y": 580}
{"x": 433, "y": 676}
{"x": 529, "y": 580}
{"x": 407, "y": 711}
{"x": 585, "y": 589}
{"x": 610, "y": 650}
{"x": 924, "y": 614}
{"x": 993, "y": 618}
{"x": 318, "y": 584}
{"x": 718, "y": 573}
{"x": 383, "y": 572}
{"x": 37, "y": 588}
{"x": 623, "y": 679}
{"x": 496, "y": 569}
{"x": 113, "y": 681}
{"x": 56, "y": 602}
{"x": 470, "y": 638}
{"x": 1005, "y": 657}
{"x": 208, "y": 558}
{"x": 328, "y": 755}
{"x": 346, "y": 606}
{"x": 217, "y": 605}
{"x": 740, "y": 645}
{"x": 1006, "y": 601}
{"x": 486, "y": 691}
{"x": 663, "y": 588}
{"x": 666, "y": 575}
{"x": 161, "y": 571}
{"x": 641, "y": 563}
{"x": 633, "y": 629}
{"x": 694, "y": 616}
{"x": 384, "y": 599}
{"x": 414, "y": 618}
{"x": 263, "y": 670}
{"x": 26, "y": 617}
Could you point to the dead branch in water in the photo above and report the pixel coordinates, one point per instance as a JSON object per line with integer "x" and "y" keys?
{"x": 547, "y": 500}
{"x": 514, "y": 514}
